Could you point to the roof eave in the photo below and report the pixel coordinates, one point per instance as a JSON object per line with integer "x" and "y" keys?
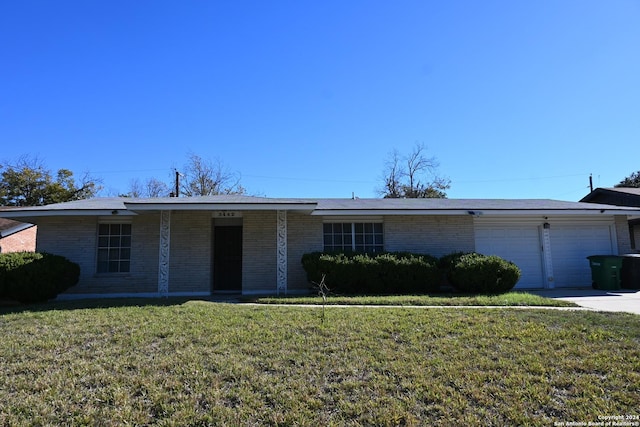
{"x": 154, "y": 207}
{"x": 472, "y": 212}
{"x": 13, "y": 230}
{"x": 71, "y": 212}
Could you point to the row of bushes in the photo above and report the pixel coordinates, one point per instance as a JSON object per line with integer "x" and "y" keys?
{"x": 374, "y": 274}
{"x": 403, "y": 273}
{"x": 30, "y": 277}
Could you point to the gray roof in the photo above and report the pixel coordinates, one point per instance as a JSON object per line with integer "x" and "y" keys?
{"x": 132, "y": 206}
{"x": 85, "y": 204}
{"x": 6, "y": 224}
{"x": 121, "y": 203}
{"x": 9, "y": 226}
{"x": 627, "y": 190}
{"x": 611, "y": 190}
{"x": 457, "y": 204}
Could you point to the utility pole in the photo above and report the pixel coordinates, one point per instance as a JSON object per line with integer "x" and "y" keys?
{"x": 591, "y": 182}
{"x": 177, "y": 193}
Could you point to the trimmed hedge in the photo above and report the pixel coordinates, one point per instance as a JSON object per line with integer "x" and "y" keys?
{"x": 384, "y": 273}
{"x": 30, "y": 277}
{"x": 405, "y": 273}
{"x": 476, "y": 273}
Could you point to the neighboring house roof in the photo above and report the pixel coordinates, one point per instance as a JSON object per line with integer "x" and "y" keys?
{"x": 131, "y": 206}
{"x": 620, "y": 196}
{"x": 9, "y": 226}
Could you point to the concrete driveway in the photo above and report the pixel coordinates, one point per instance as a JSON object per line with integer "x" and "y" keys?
{"x": 623, "y": 300}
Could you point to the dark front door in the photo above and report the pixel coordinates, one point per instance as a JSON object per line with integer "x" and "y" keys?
{"x": 227, "y": 258}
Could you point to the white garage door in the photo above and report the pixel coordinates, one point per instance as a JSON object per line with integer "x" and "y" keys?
{"x": 571, "y": 244}
{"x": 518, "y": 243}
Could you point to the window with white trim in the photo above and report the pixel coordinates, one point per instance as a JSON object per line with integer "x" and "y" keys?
{"x": 353, "y": 237}
{"x": 114, "y": 248}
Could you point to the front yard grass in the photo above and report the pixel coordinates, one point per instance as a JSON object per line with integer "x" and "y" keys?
{"x": 202, "y": 363}
{"x": 506, "y": 299}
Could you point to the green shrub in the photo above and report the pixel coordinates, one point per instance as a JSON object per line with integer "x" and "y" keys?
{"x": 447, "y": 262}
{"x": 478, "y": 273}
{"x": 30, "y": 277}
{"x": 384, "y": 273}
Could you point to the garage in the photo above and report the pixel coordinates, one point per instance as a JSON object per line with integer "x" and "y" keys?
{"x": 557, "y": 250}
{"x": 572, "y": 243}
{"x": 517, "y": 242}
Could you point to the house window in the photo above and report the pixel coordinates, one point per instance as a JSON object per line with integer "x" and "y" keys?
{"x": 353, "y": 237}
{"x": 114, "y": 248}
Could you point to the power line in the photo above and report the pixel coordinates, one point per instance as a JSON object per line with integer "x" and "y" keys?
{"x": 290, "y": 178}
{"x": 283, "y": 178}
{"x": 518, "y": 179}
{"x": 134, "y": 171}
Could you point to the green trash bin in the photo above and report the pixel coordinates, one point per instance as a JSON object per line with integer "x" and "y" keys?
{"x": 605, "y": 271}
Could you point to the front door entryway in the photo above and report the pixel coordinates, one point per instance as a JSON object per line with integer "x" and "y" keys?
{"x": 227, "y": 258}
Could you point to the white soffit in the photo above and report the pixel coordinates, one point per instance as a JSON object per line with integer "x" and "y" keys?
{"x": 474, "y": 213}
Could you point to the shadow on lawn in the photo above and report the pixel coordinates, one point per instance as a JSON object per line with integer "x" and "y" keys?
{"x": 8, "y": 307}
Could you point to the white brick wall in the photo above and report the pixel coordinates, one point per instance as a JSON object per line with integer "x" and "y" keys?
{"x": 190, "y": 256}
{"x": 191, "y": 248}
{"x": 259, "y": 269}
{"x": 623, "y": 235}
{"x": 304, "y": 235}
{"x": 433, "y": 235}
{"x": 75, "y": 239}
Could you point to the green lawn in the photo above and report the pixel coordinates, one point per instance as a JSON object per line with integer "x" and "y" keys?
{"x": 507, "y": 299}
{"x": 201, "y": 363}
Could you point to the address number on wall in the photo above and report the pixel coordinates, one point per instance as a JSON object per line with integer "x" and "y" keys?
{"x": 227, "y": 214}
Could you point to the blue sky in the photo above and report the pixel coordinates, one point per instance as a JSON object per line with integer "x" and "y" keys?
{"x": 516, "y": 99}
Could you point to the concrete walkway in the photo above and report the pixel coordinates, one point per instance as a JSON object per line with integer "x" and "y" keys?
{"x": 623, "y": 300}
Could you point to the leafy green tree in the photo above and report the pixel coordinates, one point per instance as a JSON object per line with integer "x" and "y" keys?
{"x": 413, "y": 176}
{"x": 29, "y": 183}
{"x": 632, "y": 180}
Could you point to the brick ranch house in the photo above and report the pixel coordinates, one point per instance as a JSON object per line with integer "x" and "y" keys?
{"x": 253, "y": 245}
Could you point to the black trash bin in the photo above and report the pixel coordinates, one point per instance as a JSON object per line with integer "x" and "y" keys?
{"x": 630, "y": 274}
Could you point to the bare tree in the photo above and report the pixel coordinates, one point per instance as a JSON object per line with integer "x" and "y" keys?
{"x": 156, "y": 188}
{"x": 152, "y": 187}
{"x": 200, "y": 177}
{"x": 135, "y": 189}
{"x": 413, "y": 176}
{"x": 207, "y": 178}
{"x": 392, "y": 176}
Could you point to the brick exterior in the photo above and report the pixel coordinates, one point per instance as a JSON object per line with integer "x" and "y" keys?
{"x": 75, "y": 238}
{"x": 190, "y": 256}
{"x": 304, "y": 235}
{"x": 432, "y": 235}
{"x": 259, "y": 270}
{"x": 623, "y": 235}
{"x": 22, "y": 241}
{"x": 190, "y": 262}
